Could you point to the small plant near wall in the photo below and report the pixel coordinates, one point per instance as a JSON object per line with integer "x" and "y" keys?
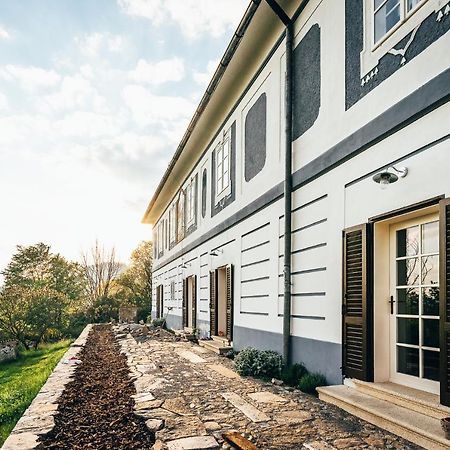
{"x": 158, "y": 322}
{"x": 268, "y": 364}
{"x": 258, "y": 363}
{"x": 310, "y": 381}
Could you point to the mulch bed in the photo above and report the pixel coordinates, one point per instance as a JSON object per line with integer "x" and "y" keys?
{"x": 96, "y": 408}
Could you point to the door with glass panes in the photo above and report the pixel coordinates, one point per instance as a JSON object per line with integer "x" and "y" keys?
{"x": 414, "y": 303}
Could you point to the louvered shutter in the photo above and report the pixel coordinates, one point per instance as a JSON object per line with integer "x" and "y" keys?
{"x": 444, "y": 299}
{"x": 212, "y": 302}
{"x": 158, "y": 302}
{"x": 185, "y": 301}
{"x": 194, "y": 301}
{"x": 229, "y": 318}
{"x": 357, "y": 357}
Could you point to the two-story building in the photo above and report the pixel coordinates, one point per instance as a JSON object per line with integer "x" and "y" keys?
{"x": 362, "y": 124}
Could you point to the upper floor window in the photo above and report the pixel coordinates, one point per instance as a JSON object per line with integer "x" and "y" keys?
{"x": 180, "y": 215}
{"x": 223, "y": 159}
{"x": 389, "y": 13}
{"x": 172, "y": 224}
{"x": 160, "y": 240}
{"x": 190, "y": 202}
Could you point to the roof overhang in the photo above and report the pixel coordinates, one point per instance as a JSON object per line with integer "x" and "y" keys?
{"x": 255, "y": 36}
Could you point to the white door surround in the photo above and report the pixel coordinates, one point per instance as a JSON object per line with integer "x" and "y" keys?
{"x": 403, "y": 340}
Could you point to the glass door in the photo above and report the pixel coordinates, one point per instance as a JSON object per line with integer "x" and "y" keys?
{"x": 414, "y": 304}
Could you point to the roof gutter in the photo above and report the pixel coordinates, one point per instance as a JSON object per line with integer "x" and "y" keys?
{"x": 224, "y": 62}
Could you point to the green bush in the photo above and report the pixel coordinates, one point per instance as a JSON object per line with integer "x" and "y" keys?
{"x": 293, "y": 373}
{"x": 258, "y": 363}
{"x": 158, "y": 322}
{"x": 310, "y": 381}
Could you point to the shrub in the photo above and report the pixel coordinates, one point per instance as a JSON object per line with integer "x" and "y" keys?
{"x": 258, "y": 363}
{"x": 158, "y": 322}
{"x": 293, "y": 373}
{"x": 310, "y": 381}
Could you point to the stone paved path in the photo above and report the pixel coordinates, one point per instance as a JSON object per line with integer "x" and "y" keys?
{"x": 190, "y": 396}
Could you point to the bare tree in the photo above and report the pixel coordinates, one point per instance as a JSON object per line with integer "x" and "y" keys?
{"x": 100, "y": 268}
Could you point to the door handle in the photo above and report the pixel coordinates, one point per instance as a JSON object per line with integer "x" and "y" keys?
{"x": 391, "y": 302}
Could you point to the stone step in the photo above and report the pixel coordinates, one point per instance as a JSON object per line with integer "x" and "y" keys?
{"x": 413, "y": 399}
{"x": 215, "y": 346}
{"x": 415, "y": 427}
{"x": 223, "y": 340}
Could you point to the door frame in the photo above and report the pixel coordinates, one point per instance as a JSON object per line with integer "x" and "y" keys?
{"x": 214, "y": 302}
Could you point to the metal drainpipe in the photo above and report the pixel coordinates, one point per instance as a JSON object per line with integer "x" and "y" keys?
{"x": 278, "y": 10}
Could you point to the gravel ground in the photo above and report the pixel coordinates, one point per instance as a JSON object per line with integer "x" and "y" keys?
{"x": 96, "y": 408}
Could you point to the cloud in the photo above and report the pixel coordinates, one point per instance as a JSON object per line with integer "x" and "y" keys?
{"x": 203, "y": 78}
{"x": 30, "y": 77}
{"x": 4, "y": 34}
{"x": 92, "y": 44}
{"x": 3, "y": 102}
{"x": 194, "y": 17}
{"x": 148, "y": 108}
{"x": 158, "y": 72}
{"x": 76, "y": 92}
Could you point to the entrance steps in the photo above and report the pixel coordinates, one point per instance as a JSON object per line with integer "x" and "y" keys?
{"x": 412, "y": 414}
{"x": 217, "y": 345}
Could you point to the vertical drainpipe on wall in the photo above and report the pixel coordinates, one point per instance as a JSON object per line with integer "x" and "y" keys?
{"x": 278, "y": 10}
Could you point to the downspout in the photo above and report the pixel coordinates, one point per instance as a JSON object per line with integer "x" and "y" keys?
{"x": 278, "y": 10}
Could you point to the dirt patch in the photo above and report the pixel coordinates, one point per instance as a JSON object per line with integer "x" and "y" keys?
{"x": 96, "y": 408}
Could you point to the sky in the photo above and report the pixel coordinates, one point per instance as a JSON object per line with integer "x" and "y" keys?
{"x": 94, "y": 99}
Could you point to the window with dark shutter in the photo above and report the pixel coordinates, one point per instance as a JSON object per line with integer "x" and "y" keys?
{"x": 357, "y": 357}
{"x": 194, "y": 301}
{"x": 212, "y": 302}
{"x": 185, "y": 301}
{"x": 444, "y": 298}
{"x": 229, "y": 318}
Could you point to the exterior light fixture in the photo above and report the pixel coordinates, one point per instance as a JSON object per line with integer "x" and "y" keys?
{"x": 184, "y": 265}
{"x": 216, "y": 252}
{"x": 389, "y": 175}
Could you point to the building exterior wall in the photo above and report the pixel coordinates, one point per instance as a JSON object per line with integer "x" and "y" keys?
{"x": 351, "y": 125}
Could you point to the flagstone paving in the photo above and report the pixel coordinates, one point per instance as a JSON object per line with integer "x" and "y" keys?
{"x": 197, "y": 399}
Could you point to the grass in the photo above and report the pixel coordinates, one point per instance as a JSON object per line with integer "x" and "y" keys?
{"x": 21, "y": 380}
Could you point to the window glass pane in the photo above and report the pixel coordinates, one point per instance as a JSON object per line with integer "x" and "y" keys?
{"x": 431, "y": 365}
{"x": 430, "y": 299}
{"x": 386, "y": 17}
{"x": 407, "y": 331}
{"x": 431, "y": 333}
{"x": 412, "y": 4}
{"x": 408, "y": 301}
{"x": 430, "y": 237}
{"x": 408, "y": 242}
{"x": 430, "y": 269}
{"x": 408, "y": 361}
{"x": 377, "y": 4}
{"x": 408, "y": 272}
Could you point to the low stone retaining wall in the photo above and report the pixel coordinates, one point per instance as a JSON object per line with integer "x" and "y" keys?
{"x": 8, "y": 350}
{"x": 38, "y": 418}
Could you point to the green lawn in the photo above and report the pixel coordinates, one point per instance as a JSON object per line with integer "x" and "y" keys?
{"x": 21, "y": 380}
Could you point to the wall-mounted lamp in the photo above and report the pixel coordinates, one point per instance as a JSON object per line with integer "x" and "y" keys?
{"x": 389, "y": 175}
{"x": 184, "y": 265}
{"x": 216, "y": 252}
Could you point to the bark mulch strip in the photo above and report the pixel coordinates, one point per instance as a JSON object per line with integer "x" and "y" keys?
{"x": 96, "y": 408}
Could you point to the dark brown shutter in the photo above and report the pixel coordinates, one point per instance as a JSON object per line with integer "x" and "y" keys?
{"x": 229, "y": 278}
{"x": 357, "y": 348}
{"x": 158, "y": 302}
{"x": 185, "y": 302}
{"x": 212, "y": 302}
{"x": 194, "y": 301}
{"x": 444, "y": 298}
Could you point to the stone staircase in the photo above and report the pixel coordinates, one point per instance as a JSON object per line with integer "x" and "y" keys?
{"x": 217, "y": 345}
{"x": 412, "y": 414}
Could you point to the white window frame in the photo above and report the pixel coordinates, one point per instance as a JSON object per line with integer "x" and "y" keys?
{"x": 374, "y": 51}
{"x": 160, "y": 237}
{"x": 190, "y": 202}
{"x": 172, "y": 223}
{"x": 181, "y": 221}
{"x": 223, "y": 167}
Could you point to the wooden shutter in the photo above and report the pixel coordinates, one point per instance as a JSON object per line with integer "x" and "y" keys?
{"x": 444, "y": 299}
{"x": 357, "y": 348}
{"x": 212, "y": 302}
{"x": 158, "y": 302}
{"x": 185, "y": 301}
{"x": 229, "y": 280}
{"x": 194, "y": 301}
